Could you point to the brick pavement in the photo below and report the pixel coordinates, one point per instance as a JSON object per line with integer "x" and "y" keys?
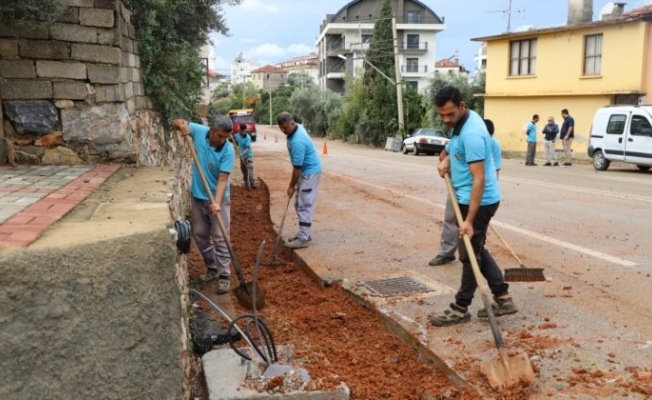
{"x": 32, "y": 198}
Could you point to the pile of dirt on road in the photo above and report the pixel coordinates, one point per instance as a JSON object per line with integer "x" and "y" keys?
{"x": 335, "y": 338}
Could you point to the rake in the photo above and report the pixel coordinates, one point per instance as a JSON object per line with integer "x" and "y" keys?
{"x": 273, "y": 262}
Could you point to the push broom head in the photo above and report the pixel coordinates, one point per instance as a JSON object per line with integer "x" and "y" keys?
{"x": 524, "y": 275}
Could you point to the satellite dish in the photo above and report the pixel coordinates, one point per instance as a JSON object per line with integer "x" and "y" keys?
{"x": 607, "y": 9}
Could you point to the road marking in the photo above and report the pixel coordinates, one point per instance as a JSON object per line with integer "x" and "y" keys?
{"x": 577, "y": 189}
{"x": 537, "y": 236}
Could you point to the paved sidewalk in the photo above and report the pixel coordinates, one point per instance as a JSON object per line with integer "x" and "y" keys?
{"x": 32, "y": 198}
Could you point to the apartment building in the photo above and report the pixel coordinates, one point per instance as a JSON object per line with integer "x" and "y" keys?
{"x": 305, "y": 65}
{"x": 344, "y": 38}
{"x": 241, "y": 69}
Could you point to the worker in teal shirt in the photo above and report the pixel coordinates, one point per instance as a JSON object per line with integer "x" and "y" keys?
{"x": 306, "y": 174}
{"x": 246, "y": 157}
{"x": 468, "y": 157}
{"x": 531, "y": 141}
{"x": 216, "y": 156}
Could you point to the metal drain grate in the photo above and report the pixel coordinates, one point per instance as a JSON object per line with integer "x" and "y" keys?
{"x": 399, "y": 286}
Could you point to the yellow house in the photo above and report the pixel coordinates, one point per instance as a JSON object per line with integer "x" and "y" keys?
{"x": 580, "y": 67}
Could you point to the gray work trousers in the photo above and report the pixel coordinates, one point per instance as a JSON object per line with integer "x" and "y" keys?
{"x": 449, "y": 232}
{"x": 531, "y": 152}
{"x": 208, "y": 236}
{"x": 306, "y": 199}
{"x": 247, "y": 168}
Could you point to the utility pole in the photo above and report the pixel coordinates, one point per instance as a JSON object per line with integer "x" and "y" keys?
{"x": 269, "y": 88}
{"x": 399, "y": 84}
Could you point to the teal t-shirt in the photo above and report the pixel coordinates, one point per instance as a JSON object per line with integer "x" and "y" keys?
{"x": 472, "y": 144}
{"x": 302, "y": 152}
{"x": 244, "y": 143}
{"x": 531, "y": 132}
{"x": 498, "y": 153}
{"x": 212, "y": 162}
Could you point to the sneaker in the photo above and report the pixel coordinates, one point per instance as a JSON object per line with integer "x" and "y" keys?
{"x": 555, "y": 164}
{"x": 547, "y": 164}
{"x": 297, "y": 243}
{"x": 295, "y": 237}
{"x": 441, "y": 260}
{"x": 500, "y": 307}
{"x": 223, "y": 285}
{"x": 209, "y": 275}
{"x": 567, "y": 164}
{"x": 451, "y": 316}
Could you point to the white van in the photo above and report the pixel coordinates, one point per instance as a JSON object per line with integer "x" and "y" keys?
{"x": 622, "y": 133}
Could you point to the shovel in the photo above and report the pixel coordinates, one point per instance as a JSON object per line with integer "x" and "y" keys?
{"x": 508, "y": 370}
{"x": 272, "y": 262}
{"x": 245, "y": 289}
{"x": 523, "y": 274}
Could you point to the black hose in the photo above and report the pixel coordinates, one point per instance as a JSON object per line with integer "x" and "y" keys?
{"x": 266, "y": 337}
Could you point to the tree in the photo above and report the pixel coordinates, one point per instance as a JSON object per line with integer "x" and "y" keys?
{"x": 170, "y": 34}
{"x": 317, "y": 108}
{"x": 382, "y": 109}
{"x": 43, "y": 10}
{"x": 467, "y": 90}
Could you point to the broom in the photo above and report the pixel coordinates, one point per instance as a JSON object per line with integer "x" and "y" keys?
{"x": 523, "y": 274}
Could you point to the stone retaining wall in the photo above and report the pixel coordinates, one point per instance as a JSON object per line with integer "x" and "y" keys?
{"x": 72, "y": 91}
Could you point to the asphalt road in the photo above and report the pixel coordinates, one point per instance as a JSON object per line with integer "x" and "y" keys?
{"x": 380, "y": 212}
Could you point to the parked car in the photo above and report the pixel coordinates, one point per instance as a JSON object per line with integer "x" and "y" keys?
{"x": 621, "y": 133}
{"x": 425, "y": 140}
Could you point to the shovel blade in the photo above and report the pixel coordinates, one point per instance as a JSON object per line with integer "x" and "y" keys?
{"x": 508, "y": 371}
{"x": 244, "y": 295}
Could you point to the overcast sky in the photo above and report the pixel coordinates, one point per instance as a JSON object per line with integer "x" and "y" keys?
{"x": 271, "y": 31}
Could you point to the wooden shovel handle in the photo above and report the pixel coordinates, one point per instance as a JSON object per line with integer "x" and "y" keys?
{"x": 227, "y": 239}
{"x": 474, "y": 266}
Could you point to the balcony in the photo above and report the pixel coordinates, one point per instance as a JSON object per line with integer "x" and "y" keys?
{"x": 414, "y": 69}
{"x": 416, "y": 18}
{"x": 413, "y": 47}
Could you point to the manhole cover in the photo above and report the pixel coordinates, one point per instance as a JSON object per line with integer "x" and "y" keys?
{"x": 399, "y": 286}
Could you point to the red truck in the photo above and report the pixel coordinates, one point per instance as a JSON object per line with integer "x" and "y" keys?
{"x": 244, "y": 116}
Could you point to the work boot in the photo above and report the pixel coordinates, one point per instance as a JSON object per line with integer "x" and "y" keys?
{"x": 451, "y": 316}
{"x": 209, "y": 275}
{"x": 500, "y": 307}
{"x": 441, "y": 260}
{"x": 298, "y": 243}
{"x": 223, "y": 285}
{"x": 295, "y": 237}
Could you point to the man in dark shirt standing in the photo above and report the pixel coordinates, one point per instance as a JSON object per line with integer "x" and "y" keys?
{"x": 550, "y": 130}
{"x": 566, "y": 135}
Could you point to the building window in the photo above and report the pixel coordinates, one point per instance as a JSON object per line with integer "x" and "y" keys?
{"x": 523, "y": 57}
{"x": 412, "y": 17}
{"x": 366, "y": 38}
{"x": 412, "y": 41}
{"x": 412, "y": 65}
{"x": 414, "y": 85}
{"x": 593, "y": 54}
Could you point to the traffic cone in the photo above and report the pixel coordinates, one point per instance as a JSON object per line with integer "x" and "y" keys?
{"x": 324, "y": 151}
